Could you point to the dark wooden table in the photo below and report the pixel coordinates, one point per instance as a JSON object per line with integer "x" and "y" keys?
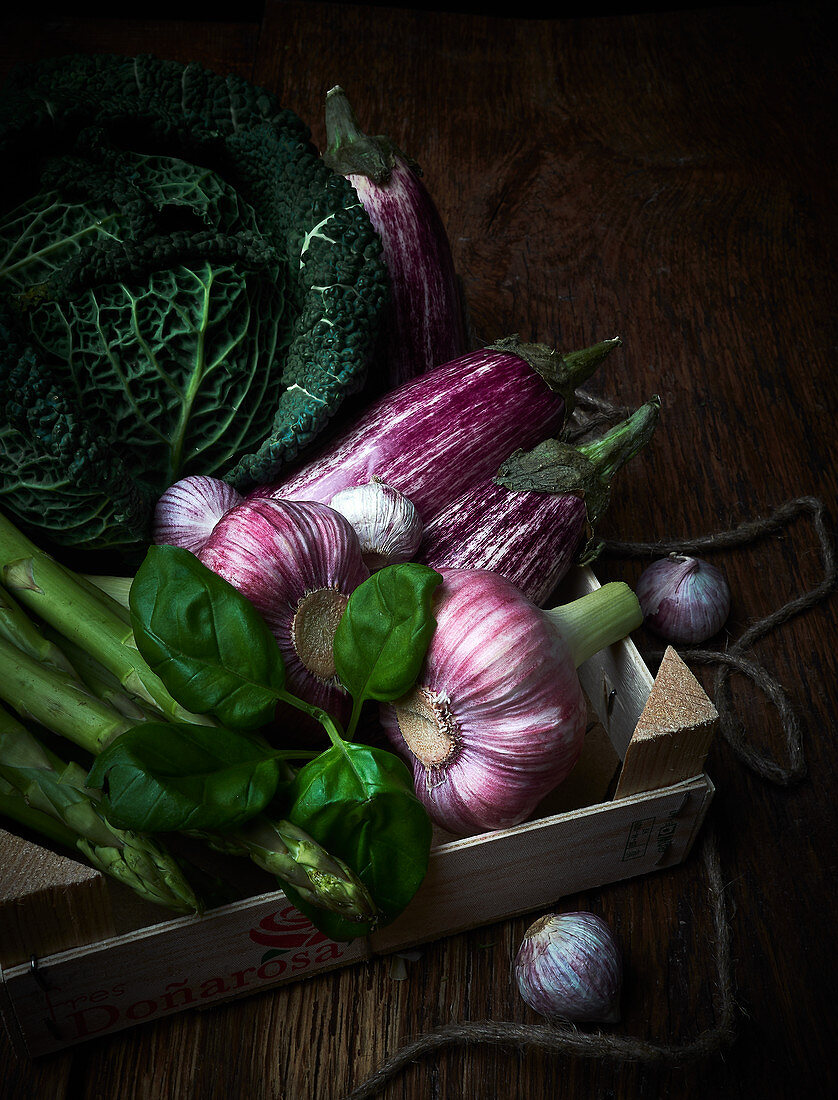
{"x": 670, "y": 177}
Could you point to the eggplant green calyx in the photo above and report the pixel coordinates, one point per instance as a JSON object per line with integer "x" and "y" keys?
{"x": 586, "y": 470}
{"x": 562, "y": 373}
{"x": 351, "y": 152}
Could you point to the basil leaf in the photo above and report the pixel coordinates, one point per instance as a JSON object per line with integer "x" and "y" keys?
{"x": 205, "y": 640}
{"x": 358, "y": 802}
{"x": 161, "y": 777}
{"x": 384, "y": 633}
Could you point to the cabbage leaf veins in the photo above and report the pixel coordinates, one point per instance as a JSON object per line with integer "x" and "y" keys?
{"x": 184, "y": 288}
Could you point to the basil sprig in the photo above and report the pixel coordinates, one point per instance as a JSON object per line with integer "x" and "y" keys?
{"x": 165, "y": 778}
{"x": 358, "y": 802}
{"x": 382, "y": 638}
{"x": 216, "y": 655}
{"x": 205, "y": 640}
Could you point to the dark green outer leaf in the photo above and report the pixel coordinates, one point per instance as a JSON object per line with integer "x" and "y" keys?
{"x": 358, "y": 802}
{"x": 161, "y": 778}
{"x": 205, "y": 640}
{"x": 384, "y": 633}
{"x": 200, "y": 291}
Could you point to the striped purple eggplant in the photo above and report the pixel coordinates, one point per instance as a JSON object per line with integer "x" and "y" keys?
{"x": 435, "y": 436}
{"x": 425, "y": 321}
{"x": 532, "y": 521}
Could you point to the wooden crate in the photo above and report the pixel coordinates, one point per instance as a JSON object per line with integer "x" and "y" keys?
{"x": 81, "y": 958}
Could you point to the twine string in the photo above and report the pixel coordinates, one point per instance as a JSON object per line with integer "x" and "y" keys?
{"x": 566, "y": 1039}
{"x": 732, "y": 729}
{"x": 734, "y": 658}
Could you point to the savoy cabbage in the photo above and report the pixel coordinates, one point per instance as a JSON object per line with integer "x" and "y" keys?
{"x": 184, "y": 288}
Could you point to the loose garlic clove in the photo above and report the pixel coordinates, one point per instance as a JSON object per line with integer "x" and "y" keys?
{"x": 388, "y": 526}
{"x": 684, "y": 600}
{"x": 569, "y": 967}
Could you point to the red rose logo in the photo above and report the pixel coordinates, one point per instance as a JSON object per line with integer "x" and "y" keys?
{"x": 285, "y": 930}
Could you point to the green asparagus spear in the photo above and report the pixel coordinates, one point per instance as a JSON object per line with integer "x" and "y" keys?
{"x": 82, "y": 612}
{"x": 76, "y": 707}
{"x": 293, "y": 856}
{"x": 43, "y": 792}
{"x": 103, "y": 683}
{"x": 15, "y": 807}
{"x": 57, "y": 700}
{"x": 15, "y": 627}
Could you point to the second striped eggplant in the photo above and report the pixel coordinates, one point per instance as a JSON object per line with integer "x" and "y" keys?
{"x": 437, "y": 435}
{"x": 536, "y": 517}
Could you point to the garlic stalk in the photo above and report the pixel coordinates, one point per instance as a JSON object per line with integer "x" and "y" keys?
{"x": 569, "y": 966}
{"x": 387, "y": 524}
{"x": 497, "y": 717}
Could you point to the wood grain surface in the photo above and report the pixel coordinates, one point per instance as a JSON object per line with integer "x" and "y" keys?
{"x": 668, "y": 177}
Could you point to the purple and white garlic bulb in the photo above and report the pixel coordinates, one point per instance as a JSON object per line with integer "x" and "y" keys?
{"x": 684, "y": 600}
{"x": 570, "y": 967}
{"x": 187, "y": 511}
{"x": 297, "y": 562}
{"x": 386, "y": 522}
{"x": 497, "y": 717}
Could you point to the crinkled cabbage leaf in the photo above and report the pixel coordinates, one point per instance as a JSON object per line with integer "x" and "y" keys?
{"x": 184, "y": 288}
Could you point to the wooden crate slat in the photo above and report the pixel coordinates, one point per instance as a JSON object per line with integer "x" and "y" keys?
{"x": 192, "y": 961}
{"x": 486, "y": 878}
{"x": 188, "y": 962}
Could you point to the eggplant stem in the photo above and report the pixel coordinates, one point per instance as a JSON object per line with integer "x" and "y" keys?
{"x": 613, "y": 450}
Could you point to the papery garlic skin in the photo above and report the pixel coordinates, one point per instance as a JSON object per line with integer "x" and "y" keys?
{"x": 187, "y": 511}
{"x": 387, "y": 524}
{"x": 569, "y": 966}
{"x": 297, "y": 562}
{"x": 497, "y": 717}
{"x": 684, "y": 599}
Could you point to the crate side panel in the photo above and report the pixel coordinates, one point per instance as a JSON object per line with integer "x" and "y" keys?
{"x": 237, "y": 950}
{"x": 48, "y": 902}
{"x": 184, "y": 963}
{"x": 485, "y": 879}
